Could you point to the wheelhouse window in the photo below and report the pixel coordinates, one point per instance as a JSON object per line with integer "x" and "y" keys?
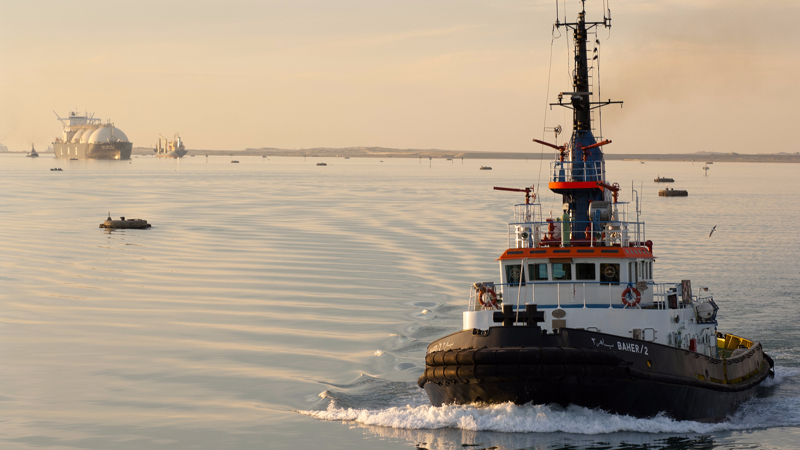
{"x": 562, "y": 271}
{"x": 609, "y": 273}
{"x": 513, "y": 274}
{"x": 539, "y": 271}
{"x": 585, "y": 271}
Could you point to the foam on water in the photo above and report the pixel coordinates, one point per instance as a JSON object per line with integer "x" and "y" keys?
{"x": 760, "y": 412}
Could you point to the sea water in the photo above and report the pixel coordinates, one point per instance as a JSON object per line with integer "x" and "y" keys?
{"x": 279, "y": 304}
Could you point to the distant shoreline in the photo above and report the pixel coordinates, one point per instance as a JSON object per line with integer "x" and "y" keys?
{"x": 378, "y": 152}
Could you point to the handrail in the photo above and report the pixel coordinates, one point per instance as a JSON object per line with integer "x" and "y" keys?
{"x": 591, "y": 233}
{"x": 661, "y": 293}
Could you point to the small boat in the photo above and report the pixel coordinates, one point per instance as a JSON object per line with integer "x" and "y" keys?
{"x": 486, "y": 168}
{"x": 664, "y": 180}
{"x": 73, "y": 159}
{"x": 233, "y": 161}
{"x": 669, "y": 192}
{"x": 324, "y": 164}
{"x": 709, "y": 162}
{"x": 346, "y": 157}
{"x": 56, "y": 169}
{"x": 136, "y": 224}
{"x": 33, "y": 153}
{"x": 577, "y": 317}
{"x": 449, "y": 159}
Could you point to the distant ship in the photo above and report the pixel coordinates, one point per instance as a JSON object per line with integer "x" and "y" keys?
{"x": 85, "y": 137}
{"x": 33, "y": 153}
{"x": 170, "y": 149}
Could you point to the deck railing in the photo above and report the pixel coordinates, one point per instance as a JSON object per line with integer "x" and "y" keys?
{"x": 664, "y": 295}
{"x": 569, "y": 171}
{"x": 529, "y": 230}
{"x": 612, "y": 233}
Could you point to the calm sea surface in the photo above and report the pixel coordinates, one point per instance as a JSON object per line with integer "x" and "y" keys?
{"x": 278, "y": 304}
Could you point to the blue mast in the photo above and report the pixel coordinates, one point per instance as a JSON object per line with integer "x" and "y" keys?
{"x": 579, "y": 175}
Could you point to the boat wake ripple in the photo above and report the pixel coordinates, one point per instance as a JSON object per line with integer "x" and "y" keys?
{"x": 405, "y": 406}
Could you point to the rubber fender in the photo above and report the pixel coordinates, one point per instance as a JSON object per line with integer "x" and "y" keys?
{"x": 438, "y": 358}
{"x": 486, "y": 373}
{"x": 429, "y": 359}
{"x": 485, "y": 356}
{"x": 530, "y": 356}
{"x": 451, "y": 373}
{"x": 466, "y": 357}
{"x": 530, "y": 371}
{"x": 574, "y": 370}
{"x": 507, "y": 371}
{"x": 450, "y": 358}
{"x": 573, "y": 356}
{"x": 552, "y": 355}
{"x": 506, "y": 356}
{"x": 466, "y": 373}
{"x": 438, "y": 373}
{"x": 552, "y": 370}
{"x": 597, "y": 357}
{"x": 429, "y": 374}
{"x": 594, "y": 371}
{"x": 421, "y": 381}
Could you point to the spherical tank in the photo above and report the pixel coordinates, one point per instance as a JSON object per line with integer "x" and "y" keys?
{"x": 107, "y": 134}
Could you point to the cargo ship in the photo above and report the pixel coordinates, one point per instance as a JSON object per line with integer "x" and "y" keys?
{"x": 170, "y": 149}
{"x": 577, "y": 316}
{"x": 85, "y": 137}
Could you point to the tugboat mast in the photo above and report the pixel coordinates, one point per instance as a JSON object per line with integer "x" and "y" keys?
{"x": 581, "y": 179}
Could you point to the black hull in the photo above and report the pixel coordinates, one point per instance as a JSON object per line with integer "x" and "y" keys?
{"x": 111, "y": 150}
{"x": 594, "y": 370}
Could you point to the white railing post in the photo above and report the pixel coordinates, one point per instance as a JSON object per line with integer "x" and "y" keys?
{"x": 584, "y": 295}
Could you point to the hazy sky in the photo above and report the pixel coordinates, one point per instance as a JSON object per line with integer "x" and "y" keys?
{"x": 462, "y": 75}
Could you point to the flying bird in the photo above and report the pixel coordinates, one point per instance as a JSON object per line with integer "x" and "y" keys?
{"x": 712, "y": 231}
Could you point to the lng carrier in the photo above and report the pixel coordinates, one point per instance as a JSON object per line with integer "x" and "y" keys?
{"x": 85, "y": 137}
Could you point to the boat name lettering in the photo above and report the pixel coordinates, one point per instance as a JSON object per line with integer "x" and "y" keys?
{"x": 441, "y": 347}
{"x": 633, "y": 348}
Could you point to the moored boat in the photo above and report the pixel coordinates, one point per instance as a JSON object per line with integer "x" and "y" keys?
{"x": 577, "y": 316}
{"x": 670, "y": 192}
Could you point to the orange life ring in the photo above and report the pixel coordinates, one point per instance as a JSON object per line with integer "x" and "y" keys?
{"x": 491, "y": 298}
{"x": 631, "y": 296}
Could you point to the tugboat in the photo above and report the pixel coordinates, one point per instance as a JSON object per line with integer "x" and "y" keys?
{"x": 577, "y": 317}
{"x": 33, "y": 153}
